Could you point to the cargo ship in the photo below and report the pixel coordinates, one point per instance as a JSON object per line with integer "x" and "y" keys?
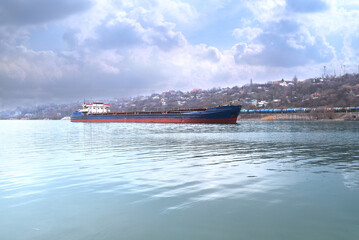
{"x": 100, "y": 112}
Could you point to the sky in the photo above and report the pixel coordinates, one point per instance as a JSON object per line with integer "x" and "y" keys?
{"x": 57, "y": 51}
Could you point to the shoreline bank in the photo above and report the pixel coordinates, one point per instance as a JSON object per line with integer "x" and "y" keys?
{"x": 329, "y": 116}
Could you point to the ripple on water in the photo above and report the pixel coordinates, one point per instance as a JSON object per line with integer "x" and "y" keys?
{"x": 194, "y": 162}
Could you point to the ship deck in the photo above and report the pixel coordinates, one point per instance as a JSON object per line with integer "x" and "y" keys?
{"x": 171, "y": 111}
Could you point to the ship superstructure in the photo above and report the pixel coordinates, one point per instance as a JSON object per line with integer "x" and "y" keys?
{"x": 95, "y": 108}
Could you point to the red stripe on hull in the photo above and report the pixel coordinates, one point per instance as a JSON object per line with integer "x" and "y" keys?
{"x": 164, "y": 120}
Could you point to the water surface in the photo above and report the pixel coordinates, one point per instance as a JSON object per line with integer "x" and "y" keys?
{"x": 253, "y": 180}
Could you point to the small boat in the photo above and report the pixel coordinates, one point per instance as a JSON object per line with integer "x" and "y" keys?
{"x": 100, "y": 112}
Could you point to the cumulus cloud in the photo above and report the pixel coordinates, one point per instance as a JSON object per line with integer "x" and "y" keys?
{"x": 25, "y": 72}
{"x": 120, "y": 30}
{"x": 278, "y": 52}
{"x": 284, "y": 44}
{"x": 212, "y": 54}
{"x": 121, "y": 58}
{"x": 31, "y": 77}
{"x": 165, "y": 38}
{"x": 247, "y": 33}
{"x": 118, "y": 34}
{"x": 266, "y": 10}
{"x": 124, "y": 48}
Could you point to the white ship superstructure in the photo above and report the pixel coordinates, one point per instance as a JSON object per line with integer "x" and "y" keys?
{"x": 95, "y": 108}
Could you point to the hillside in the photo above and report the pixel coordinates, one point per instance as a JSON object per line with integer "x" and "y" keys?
{"x": 329, "y": 91}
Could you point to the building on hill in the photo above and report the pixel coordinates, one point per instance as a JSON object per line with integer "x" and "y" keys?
{"x": 283, "y": 83}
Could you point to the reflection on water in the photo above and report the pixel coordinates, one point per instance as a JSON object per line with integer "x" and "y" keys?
{"x": 56, "y": 171}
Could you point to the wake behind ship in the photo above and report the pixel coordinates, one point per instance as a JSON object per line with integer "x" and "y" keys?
{"x": 100, "y": 112}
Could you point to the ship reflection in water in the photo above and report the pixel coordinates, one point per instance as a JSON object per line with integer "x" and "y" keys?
{"x": 252, "y": 180}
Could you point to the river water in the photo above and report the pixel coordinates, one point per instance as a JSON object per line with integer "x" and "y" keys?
{"x": 253, "y": 180}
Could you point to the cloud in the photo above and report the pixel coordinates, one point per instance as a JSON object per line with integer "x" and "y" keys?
{"x": 30, "y": 76}
{"x": 266, "y": 10}
{"x": 177, "y": 11}
{"x": 44, "y": 76}
{"x": 119, "y": 53}
{"x": 118, "y": 34}
{"x": 119, "y": 30}
{"x": 306, "y": 6}
{"x": 25, "y": 72}
{"x": 123, "y": 48}
{"x": 283, "y": 26}
{"x": 283, "y": 44}
{"x": 165, "y": 38}
{"x": 247, "y": 33}
{"x": 20, "y": 12}
{"x": 212, "y": 54}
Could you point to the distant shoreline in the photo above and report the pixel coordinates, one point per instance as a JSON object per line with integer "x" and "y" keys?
{"x": 332, "y": 116}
